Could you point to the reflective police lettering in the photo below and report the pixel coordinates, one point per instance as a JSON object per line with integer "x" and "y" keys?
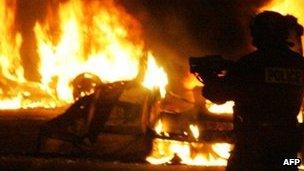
{"x": 283, "y": 76}
{"x": 290, "y": 162}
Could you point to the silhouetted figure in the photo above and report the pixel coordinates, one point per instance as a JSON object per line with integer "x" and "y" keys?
{"x": 267, "y": 87}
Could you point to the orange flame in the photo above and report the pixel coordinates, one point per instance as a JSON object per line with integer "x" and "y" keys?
{"x": 195, "y": 131}
{"x": 226, "y": 108}
{"x": 100, "y": 43}
{"x": 106, "y": 42}
{"x": 164, "y": 151}
{"x": 155, "y": 77}
{"x": 189, "y": 153}
{"x": 11, "y": 67}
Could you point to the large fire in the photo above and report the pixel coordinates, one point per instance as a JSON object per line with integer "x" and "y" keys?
{"x": 11, "y": 66}
{"x": 101, "y": 38}
{"x": 106, "y": 42}
{"x": 98, "y": 42}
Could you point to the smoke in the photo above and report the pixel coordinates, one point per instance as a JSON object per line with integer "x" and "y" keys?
{"x": 178, "y": 29}
{"x": 197, "y": 26}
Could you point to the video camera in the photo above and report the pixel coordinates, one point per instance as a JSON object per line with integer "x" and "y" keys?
{"x": 209, "y": 67}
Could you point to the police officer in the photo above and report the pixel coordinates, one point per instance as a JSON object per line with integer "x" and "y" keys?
{"x": 267, "y": 87}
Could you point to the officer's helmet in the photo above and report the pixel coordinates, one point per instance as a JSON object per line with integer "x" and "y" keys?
{"x": 269, "y": 29}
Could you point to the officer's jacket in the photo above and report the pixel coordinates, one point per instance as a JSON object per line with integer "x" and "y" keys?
{"x": 266, "y": 85}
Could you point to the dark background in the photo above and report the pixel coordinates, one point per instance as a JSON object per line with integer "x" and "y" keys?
{"x": 177, "y": 29}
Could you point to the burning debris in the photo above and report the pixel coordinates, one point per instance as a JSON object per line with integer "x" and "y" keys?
{"x": 109, "y": 107}
{"x": 203, "y": 142}
{"x": 87, "y": 116}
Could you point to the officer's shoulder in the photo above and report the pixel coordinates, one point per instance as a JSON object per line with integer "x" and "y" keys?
{"x": 259, "y": 56}
{"x": 296, "y": 56}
